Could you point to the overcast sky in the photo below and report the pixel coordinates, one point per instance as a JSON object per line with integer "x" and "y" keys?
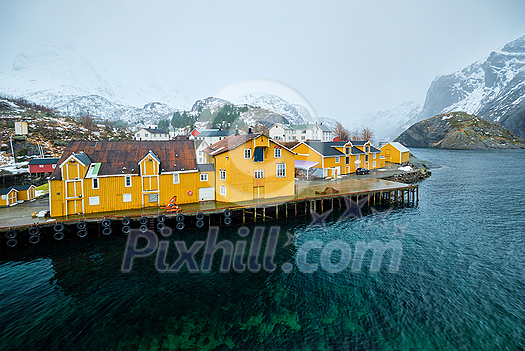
{"x": 346, "y": 58}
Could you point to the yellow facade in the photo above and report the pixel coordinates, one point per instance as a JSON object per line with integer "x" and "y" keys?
{"x": 394, "y": 155}
{"x": 240, "y": 178}
{"x": 9, "y": 198}
{"x": 334, "y": 165}
{"x": 26, "y": 195}
{"x": 122, "y": 191}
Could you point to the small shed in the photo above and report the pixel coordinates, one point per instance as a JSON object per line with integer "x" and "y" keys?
{"x": 25, "y": 192}
{"x": 8, "y": 196}
{"x": 42, "y": 165}
{"x": 395, "y": 152}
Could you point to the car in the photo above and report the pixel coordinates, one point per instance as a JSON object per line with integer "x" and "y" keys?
{"x": 362, "y": 171}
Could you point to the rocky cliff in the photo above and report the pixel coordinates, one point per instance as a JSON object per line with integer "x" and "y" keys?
{"x": 459, "y": 130}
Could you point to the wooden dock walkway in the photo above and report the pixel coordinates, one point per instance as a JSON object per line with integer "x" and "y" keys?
{"x": 377, "y": 192}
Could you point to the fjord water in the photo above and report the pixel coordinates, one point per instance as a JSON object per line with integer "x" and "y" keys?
{"x": 460, "y": 284}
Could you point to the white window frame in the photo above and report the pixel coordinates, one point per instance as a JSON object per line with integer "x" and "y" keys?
{"x": 126, "y": 178}
{"x": 366, "y": 158}
{"x": 258, "y": 174}
{"x": 204, "y": 177}
{"x": 281, "y": 170}
{"x": 95, "y": 183}
{"x": 94, "y": 200}
{"x": 374, "y": 157}
{"x": 247, "y": 154}
{"x": 357, "y": 157}
{"x": 222, "y": 190}
{"x": 222, "y": 174}
{"x": 277, "y": 152}
{"x": 176, "y": 178}
{"x": 374, "y": 164}
{"x": 4, "y": 197}
{"x": 337, "y": 159}
{"x": 126, "y": 197}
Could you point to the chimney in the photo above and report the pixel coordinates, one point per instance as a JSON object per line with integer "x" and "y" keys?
{"x": 250, "y": 130}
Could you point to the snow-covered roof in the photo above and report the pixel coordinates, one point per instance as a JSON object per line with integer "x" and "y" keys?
{"x": 400, "y": 147}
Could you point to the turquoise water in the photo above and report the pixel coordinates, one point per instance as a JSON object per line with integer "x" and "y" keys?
{"x": 460, "y": 284}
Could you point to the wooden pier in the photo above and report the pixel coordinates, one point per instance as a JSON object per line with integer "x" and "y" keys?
{"x": 367, "y": 193}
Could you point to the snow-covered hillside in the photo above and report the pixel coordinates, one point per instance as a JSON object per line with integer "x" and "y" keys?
{"x": 493, "y": 88}
{"x": 58, "y": 77}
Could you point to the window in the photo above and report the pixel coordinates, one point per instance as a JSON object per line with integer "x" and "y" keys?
{"x": 304, "y": 131}
{"x": 347, "y": 150}
{"x": 4, "y": 197}
{"x": 258, "y": 174}
{"x": 176, "y": 179}
{"x": 54, "y": 166}
{"x": 337, "y": 159}
{"x": 94, "y": 200}
{"x": 347, "y": 161}
{"x": 367, "y": 149}
{"x": 258, "y": 155}
{"x": 374, "y": 156}
{"x": 223, "y": 190}
{"x": 95, "y": 183}
{"x": 303, "y": 138}
{"x": 41, "y": 166}
{"x": 204, "y": 177}
{"x": 277, "y": 152}
{"x": 128, "y": 181}
{"x": 126, "y": 197}
{"x": 281, "y": 170}
{"x": 153, "y": 197}
{"x": 247, "y": 153}
{"x": 374, "y": 164}
{"x": 223, "y": 174}
{"x": 145, "y": 135}
{"x": 366, "y": 158}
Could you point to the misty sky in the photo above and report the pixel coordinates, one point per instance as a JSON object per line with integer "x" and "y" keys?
{"x": 347, "y": 58}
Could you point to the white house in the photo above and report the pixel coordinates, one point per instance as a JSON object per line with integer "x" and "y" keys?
{"x": 200, "y": 145}
{"x": 211, "y": 135}
{"x": 152, "y": 134}
{"x": 301, "y": 132}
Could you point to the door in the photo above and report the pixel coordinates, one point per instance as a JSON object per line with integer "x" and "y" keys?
{"x": 258, "y": 192}
{"x": 74, "y": 207}
{"x": 207, "y": 194}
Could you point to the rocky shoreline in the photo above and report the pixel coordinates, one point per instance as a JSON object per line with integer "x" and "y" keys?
{"x": 414, "y": 176}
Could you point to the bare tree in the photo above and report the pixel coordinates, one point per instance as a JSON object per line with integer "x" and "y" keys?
{"x": 355, "y": 135}
{"x": 341, "y": 132}
{"x": 260, "y": 128}
{"x": 367, "y": 134}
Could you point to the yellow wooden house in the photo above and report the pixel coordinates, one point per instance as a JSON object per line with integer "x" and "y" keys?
{"x": 395, "y": 152}
{"x": 251, "y": 166}
{"x": 25, "y": 192}
{"x": 119, "y": 175}
{"x": 334, "y": 158}
{"x": 8, "y": 196}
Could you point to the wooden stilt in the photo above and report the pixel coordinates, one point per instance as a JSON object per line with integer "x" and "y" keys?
{"x": 243, "y": 216}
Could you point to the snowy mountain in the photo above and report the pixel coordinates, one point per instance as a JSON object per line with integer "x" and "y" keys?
{"x": 294, "y": 113}
{"x": 492, "y": 88}
{"x": 390, "y": 123}
{"x": 58, "y": 77}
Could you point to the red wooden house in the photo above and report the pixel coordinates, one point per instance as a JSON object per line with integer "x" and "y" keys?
{"x": 42, "y": 165}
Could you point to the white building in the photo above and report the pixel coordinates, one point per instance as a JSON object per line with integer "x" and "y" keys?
{"x": 200, "y": 145}
{"x": 300, "y": 132}
{"x": 211, "y": 135}
{"x": 152, "y": 134}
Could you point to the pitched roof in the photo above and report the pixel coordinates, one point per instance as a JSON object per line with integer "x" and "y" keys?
{"x": 215, "y": 133}
{"x": 400, "y": 147}
{"x": 155, "y": 130}
{"x": 359, "y": 142}
{"x": 22, "y": 187}
{"x": 374, "y": 150}
{"x": 43, "y": 161}
{"x": 356, "y": 151}
{"x": 6, "y": 191}
{"x": 122, "y": 157}
{"x": 229, "y": 143}
{"x": 207, "y": 167}
{"x": 325, "y": 148}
